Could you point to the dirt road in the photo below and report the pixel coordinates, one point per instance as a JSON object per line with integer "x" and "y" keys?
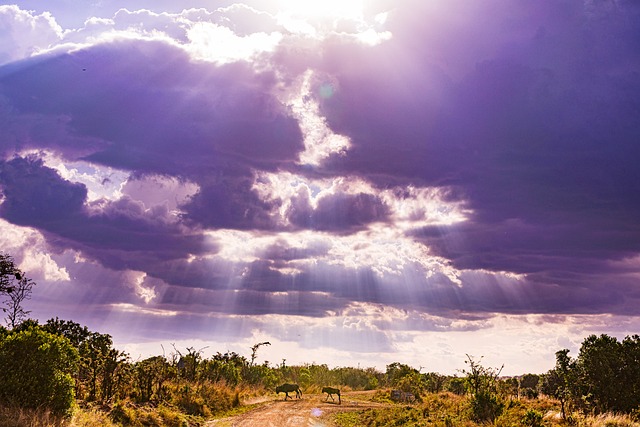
{"x": 310, "y": 411}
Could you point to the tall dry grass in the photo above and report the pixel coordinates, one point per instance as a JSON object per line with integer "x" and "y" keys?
{"x": 450, "y": 410}
{"x": 606, "y": 420}
{"x": 19, "y": 417}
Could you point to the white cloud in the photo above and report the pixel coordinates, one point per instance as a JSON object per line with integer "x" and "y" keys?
{"x": 319, "y": 140}
{"x": 211, "y": 42}
{"x": 160, "y": 191}
{"x": 372, "y": 37}
{"x": 29, "y": 249}
{"x": 102, "y": 182}
{"x": 22, "y": 33}
{"x": 40, "y": 264}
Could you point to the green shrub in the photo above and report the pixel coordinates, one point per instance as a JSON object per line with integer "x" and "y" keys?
{"x": 485, "y": 406}
{"x": 36, "y": 371}
{"x": 532, "y": 418}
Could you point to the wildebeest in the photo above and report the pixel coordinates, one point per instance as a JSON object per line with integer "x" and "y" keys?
{"x": 287, "y": 388}
{"x": 330, "y": 392}
{"x": 402, "y": 396}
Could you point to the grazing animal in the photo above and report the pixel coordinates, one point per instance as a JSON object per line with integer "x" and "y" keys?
{"x": 288, "y": 388}
{"x": 402, "y": 396}
{"x": 330, "y": 392}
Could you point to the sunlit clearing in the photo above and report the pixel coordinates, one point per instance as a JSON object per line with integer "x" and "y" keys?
{"x": 101, "y": 182}
{"x": 415, "y": 206}
{"x": 372, "y": 37}
{"x": 156, "y": 190}
{"x": 410, "y": 207}
{"x": 319, "y": 140}
{"x": 382, "y": 249}
{"x": 219, "y": 44}
{"x": 143, "y": 290}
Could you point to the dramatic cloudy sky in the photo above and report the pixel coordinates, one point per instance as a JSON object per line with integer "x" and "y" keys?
{"x": 357, "y": 182}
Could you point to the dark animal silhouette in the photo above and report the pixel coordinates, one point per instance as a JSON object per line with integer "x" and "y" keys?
{"x": 402, "y": 396}
{"x": 288, "y": 388}
{"x": 330, "y": 392}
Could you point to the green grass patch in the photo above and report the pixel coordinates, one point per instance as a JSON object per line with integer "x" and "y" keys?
{"x": 347, "y": 419}
{"x": 239, "y": 410}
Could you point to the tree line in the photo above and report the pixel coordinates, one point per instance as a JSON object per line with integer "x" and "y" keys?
{"x": 61, "y": 362}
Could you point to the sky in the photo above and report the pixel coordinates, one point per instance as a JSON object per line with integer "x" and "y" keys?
{"x": 358, "y": 182}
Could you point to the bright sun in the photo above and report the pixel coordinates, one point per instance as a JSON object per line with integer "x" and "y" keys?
{"x": 322, "y": 8}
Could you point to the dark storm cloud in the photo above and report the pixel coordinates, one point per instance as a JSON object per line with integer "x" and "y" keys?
{"x": 337, "y": 212}
{"x": 155, "y": 104}
{"x": 146, "y": 108}
{"x": 36, "y": 195}
{"x": 250, "y": 302}
{"x": 262, "y": 288}
{"x": 230, "y": 202}
{"x": 281, "y": 250}
{"x": 121, "y": 235}
{"x": 529, "y": 111}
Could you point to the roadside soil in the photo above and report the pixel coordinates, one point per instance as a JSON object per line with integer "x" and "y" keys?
{"x": 310, "y": 411}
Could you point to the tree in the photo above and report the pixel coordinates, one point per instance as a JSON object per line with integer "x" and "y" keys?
{"x": 529, "y": 381}
{"x": 434, "y": 382}
{"x": 631, "y": 362}
{"x": 609, "y": 373}
{"x": 8, "y": 272}
{"x": 254, "y": 351}
{"x": 16, "y": 288}
{"x": 456, "y": 385}
{"x": 13, "y": 305}
{"x": 529, "y": 385}
{"x": 225, "y": 367}
{"x": 36, "y": 370}
{"x": 71, "y": 330}
{"x": 561, "y": 382}
{"x": 482, "y": 383}
{"x": 396, "y": 371}
{"x": 188, "y": 363}
{"x": 150, "y": 376}
{"x": 102, "y": 368}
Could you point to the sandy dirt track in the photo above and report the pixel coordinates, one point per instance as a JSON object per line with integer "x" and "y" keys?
{"x": 310, "y": 411}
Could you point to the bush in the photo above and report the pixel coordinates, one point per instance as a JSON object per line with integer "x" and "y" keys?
{"x": 36, "y": 371}
{"x": 485, "y": 406}
{"x": 532, "y": 418}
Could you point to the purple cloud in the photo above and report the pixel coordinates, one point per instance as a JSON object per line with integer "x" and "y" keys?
{"x": 541, "y": 146}
{"x": 484, "y": 161}
{"x": 121, "y": 234}
{"x": 337, "y": 212}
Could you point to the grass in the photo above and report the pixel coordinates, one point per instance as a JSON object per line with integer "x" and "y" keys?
{"x": 17, "y": 417}
{"x": 239, "y": 410}
{"x": 449, "y": 410}
{"x": 439, "y": 410}
{"x": 606, "y": 420}
{"x": 347, "y": 419}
